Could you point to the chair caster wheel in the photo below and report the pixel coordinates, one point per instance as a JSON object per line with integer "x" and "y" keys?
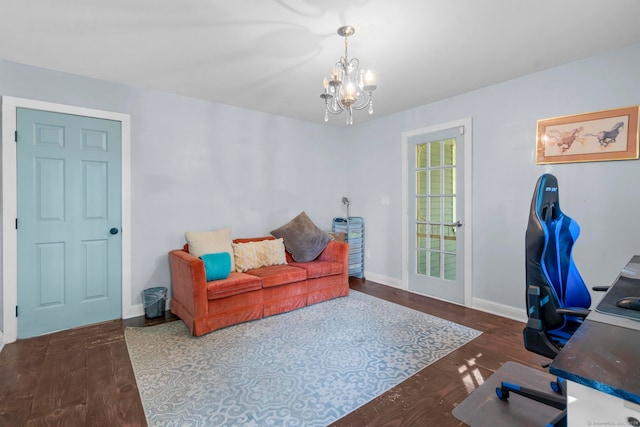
{"x": 502, "y": 394}
{"x": 555, "y": 387}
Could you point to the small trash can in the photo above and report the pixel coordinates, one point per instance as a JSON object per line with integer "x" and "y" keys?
{"x": 153, "y": 300}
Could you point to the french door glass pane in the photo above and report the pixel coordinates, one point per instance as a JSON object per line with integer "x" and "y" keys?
{"x": 434, "y": 264}
{"x": 421, "y": 156}
{"x": 434, "y": 237}
{"x": 421, "y": 209}
{"x": 421, "y": 183}
{"x": 449, "y": 209}
{"x": 434, "y": 155}
{"x": 450, "y": 152}
{"x": 450, "y": 266}
{"x": 434, "y": 209}
{"x": 434, "y": 181}
{"x": 421, "y": 236}
{"x": 421, "y": 262}
{"x": 449, "y": 238}
{"x": 449, "y": 183}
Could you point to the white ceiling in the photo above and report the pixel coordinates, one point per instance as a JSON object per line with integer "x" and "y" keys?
{"x": 271, "y": 55}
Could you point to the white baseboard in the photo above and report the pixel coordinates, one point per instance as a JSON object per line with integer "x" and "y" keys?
{"x": 383, "y": 280}
{"x": 498, "y": 309}
{"x": 138, "y": 310}
{"x": 133, "y": 311}
{"x": 476, "y": 303}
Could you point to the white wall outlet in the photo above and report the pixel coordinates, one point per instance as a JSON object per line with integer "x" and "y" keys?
{"x": 385, "y": 201}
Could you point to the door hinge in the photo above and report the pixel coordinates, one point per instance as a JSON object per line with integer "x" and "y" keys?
{"x": 16, "y": 223}
{"x": 15, "y": 136}
{"x": 16, "y": 311}
{"x": 461, "y": 129}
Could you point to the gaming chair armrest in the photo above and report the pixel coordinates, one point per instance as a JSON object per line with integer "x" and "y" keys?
{"x": 600, "y": 288}
{"x": 573, "y": 311}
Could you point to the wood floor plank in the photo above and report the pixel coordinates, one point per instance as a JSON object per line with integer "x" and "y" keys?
{"x": 60, "y": 391}
{"x": 114, "y": 400}
{"x": 69, "y": 416}
{"x": 83, "y": 377}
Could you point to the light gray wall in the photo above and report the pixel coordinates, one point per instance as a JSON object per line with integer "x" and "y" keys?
{"x": 603, "y": 197}
{"x": 197, "y": 165}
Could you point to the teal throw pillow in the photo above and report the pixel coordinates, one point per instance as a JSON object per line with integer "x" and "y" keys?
{"x": 217, "y": 266}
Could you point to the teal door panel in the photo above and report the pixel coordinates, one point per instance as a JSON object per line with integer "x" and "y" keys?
{"x": 69, "y": 184}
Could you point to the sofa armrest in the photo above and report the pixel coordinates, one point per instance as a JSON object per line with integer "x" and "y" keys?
{"x": 188, "y": 282}
{"x": 337, "y": 252}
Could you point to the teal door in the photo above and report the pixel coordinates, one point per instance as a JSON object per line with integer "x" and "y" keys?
{"x": 68, "y": 226}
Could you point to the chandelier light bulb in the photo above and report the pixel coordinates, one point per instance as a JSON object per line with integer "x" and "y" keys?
{"x": 368, "y": 78}
{"x": 349, "y": 94}
{"x": 349, "y": 87}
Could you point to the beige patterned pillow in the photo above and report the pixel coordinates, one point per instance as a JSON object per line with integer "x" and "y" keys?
{"x": 252, "y": 255}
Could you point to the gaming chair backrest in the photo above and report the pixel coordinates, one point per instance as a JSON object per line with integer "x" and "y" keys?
{"x": 549, "y": 265}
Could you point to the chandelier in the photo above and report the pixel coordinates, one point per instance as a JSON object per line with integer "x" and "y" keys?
{"x": 349, "y": 88}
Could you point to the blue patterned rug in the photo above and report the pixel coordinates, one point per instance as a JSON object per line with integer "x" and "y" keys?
{"x": 308, "y": 367}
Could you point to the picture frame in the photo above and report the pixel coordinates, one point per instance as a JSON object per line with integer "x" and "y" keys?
{"x": 589, "y": 137}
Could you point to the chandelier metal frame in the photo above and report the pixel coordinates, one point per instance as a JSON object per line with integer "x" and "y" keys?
{"x": 349, "y": 87}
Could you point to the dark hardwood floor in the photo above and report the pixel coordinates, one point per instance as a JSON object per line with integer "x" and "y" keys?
{"x": 83, "y": 377}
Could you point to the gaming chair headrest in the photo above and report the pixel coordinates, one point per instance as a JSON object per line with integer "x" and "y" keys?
{"x": 546, "y": 202}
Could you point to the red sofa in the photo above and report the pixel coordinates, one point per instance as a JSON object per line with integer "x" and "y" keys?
{"x": 265, "y": 291}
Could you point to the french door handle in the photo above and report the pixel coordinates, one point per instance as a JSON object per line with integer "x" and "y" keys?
{"x": 454, "y": 226}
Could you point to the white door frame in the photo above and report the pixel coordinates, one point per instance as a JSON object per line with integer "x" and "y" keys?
{"x": 10, "y": 200}
{"x": 466, "y": 136}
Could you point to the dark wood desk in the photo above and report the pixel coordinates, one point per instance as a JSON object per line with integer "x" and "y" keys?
{"x": 604, "y": 356}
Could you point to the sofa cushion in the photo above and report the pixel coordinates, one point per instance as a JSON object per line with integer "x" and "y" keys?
{"x": 250, "y": 255}
{"x": 317, "y": 269}
{"x": 302, "y": 238}
{"x": 216, "y": 266}
{"x": 236, "y": 283}
{"x": 210, "y": 242}
{"x": 276, "y": 275}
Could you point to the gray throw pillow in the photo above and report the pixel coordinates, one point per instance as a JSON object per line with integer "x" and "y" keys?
{"x": 302, "y": 238}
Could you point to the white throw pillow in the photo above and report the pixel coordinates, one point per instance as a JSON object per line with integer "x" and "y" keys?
{"x": 210, "y": 242}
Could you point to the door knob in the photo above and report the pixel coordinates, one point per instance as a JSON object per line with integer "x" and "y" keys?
{"x": 113, "y": 231}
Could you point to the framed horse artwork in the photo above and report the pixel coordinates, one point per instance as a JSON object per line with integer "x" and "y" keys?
{"x": 589, "y": 137}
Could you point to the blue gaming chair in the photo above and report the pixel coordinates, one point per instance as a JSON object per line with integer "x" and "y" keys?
{"x": 557, "y": 298}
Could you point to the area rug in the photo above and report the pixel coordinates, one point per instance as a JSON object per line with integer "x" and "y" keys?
{"x": 308, "y": 367}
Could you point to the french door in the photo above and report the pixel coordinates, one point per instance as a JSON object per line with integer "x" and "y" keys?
{"x": 435, "y": 213}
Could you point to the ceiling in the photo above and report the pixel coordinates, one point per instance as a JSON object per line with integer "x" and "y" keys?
{"x": 271, "y": 55}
